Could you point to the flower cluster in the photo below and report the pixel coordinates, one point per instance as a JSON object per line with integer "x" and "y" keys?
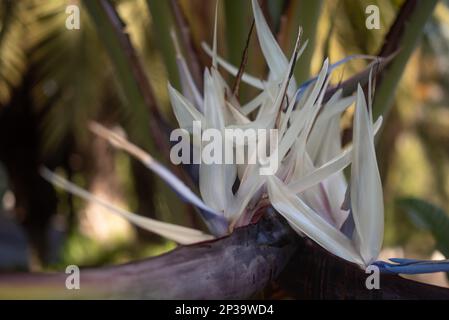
{"x": 309, "y": 188}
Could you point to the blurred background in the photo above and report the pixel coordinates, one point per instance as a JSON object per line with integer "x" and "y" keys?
{"x": 53, "y": 81}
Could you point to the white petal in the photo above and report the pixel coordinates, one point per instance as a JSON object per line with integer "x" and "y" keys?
{"x": 238, "y": 117}
{"x": 170, "y": 231}
{"x": 317, "y": 145}
{"x": 335, "y": 187}
{"x": 317, "y": 175}
{"x": 334, "y": 165}
{"x": 366, "y": 187}
{"x": 328, "y": 147}
{"x": 216, "y": 180}
{"x": 276, "y": 60}
{"x": 184, "y": 112}
{"x": 311, "y": 117}
{"x": 189, "y": 89}
{"x": 332, "y": 109}
{"x": 275, "y": 108}
{"x": 254, "y": 103}
{"x": 291, "y": 135}
{"x": 267, "y": 106}
{"x": 305, "y": 220}
{"x": 265, "y": 122}
{"x": 215, "y": 183}
{"x": 151, "y": 163}
{"x": 214, "y": 102}
{"x": 248, "y": 188}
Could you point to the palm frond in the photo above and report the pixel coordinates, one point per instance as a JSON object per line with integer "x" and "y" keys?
{"x": 75, "y": 90}
{"x": 12, "y": 54}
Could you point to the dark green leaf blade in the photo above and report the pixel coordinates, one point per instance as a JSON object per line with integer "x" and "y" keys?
{"x": 429, "y": 217}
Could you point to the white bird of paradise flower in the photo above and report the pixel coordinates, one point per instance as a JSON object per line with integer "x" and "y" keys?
{"x": 309, "y": 189}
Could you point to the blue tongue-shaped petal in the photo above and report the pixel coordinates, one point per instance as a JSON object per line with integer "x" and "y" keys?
{"x": 412, "y": 266}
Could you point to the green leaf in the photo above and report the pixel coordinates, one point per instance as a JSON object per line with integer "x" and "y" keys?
{"x": 429, "y": 217}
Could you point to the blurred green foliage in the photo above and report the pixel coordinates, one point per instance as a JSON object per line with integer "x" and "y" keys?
{"x": 430, "y": 218}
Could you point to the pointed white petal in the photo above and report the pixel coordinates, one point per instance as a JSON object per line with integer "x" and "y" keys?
{"x": 311, "y": 117}
{"x": 238, "y": 117}
{"x": 329, "y": 116}
{"x": 316, "y": 176}
{"x": 324, "y": 143}
{"x": 216, "y": 180}
{"x": 170, "y": 231}
{"x": 151, "y": 163}
{"x": 214, "y": 102}
{"x": 250, "y": 183}
{"x": 335, "y": 187}
{"x": 282, "y": 94}
{"x": 184, "y": 112}
{"x": 298, "y": 124}
{"x": 189, "y": 88}
{"x": 276, "y": 60}
{"x": 366, "y": 187}
{"x": 334, "y": 165}
{"x": 248, "y": 188}
{"x": 215, "y": 184}
{"x": 303, "y": 218}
